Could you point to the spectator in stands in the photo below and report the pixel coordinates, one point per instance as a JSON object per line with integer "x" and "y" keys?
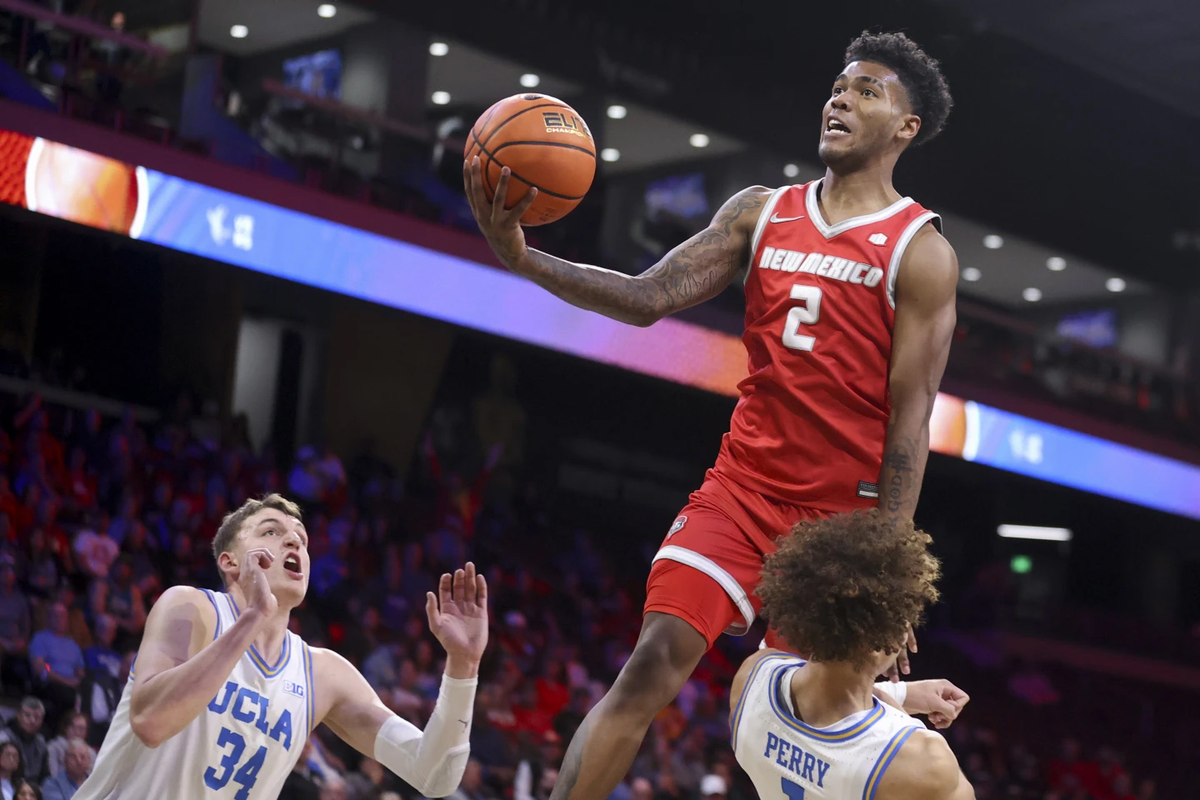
{"x": 571, "y": 717}
{"x": 301, "y": 783}
{"x": 14, "y": 627}
{"x": 57, "y": 663}
{"x": 26, "y": 790}
{"x": 121, "y": 599}
{"x": 77, "y": 764}
{"x": 472, "y": 786}
{"x": 41, "y": 568}
{"x": 74, "y": 727}
{"x": 25, "y": 732}
{"x": 369, "y": 781}
{"x": 305, "y": 480}
{"x": 12, "y": 769}
{"x": 96, "y": 549}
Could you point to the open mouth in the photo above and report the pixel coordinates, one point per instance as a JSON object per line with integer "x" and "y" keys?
{"x": 291, "y": 564}
{"x": 836, "y": 127}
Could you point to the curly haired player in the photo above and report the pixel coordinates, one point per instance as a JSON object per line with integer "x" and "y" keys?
{"x": 846, "y": 590}
{"x": 849, "y": 313}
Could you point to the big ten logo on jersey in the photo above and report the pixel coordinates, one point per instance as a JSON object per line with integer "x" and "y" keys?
{"x": 561, "y": 122}
{"x": 830, "y": 267}
{"x": 247, "y": 706}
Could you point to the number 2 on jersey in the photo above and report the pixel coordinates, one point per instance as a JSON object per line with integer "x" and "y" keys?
{"x": 247, "y": 776}
{"x": 794, "y": 791}
{"x": 807, "y": 314}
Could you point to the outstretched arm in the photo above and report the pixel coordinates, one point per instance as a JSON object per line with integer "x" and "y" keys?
{"x": 431, "y": 761}
{"x": 925, "y": 318}
{"x": 693, "y": 272}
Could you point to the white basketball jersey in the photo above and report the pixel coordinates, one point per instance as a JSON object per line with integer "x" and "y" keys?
{"x": 242, "y": 746}
{"x": 789, "y": 760}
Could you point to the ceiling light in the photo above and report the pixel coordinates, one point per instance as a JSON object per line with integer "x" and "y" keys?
{"x": 438, "y": 48}
{"x": 440, "y": 98}
{"x": 1035, "y": 532}
{"x": 610, "y": 154}
{"x": 239, "y": 31}
{"x": 326, "y": 10}
{"x": 616, "y": 112}
{"x": 1115, "y": 284}
{"x": 971, "y": 274}
{"x": 993, "y": 242}
{"x": 791, "y": 170}
{"x": 1032, "y": 294}
{"x": 529, "y": 80}
{"x": 1056, "y": 263}
{"x": 698, "y": 140}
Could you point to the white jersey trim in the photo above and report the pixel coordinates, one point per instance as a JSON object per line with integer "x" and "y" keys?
{"x": 750, "y": 684}
{"x": 885, "y": 760}
{"x": 898, "y": 252}
{"x": 761, "y": 226}
{"x": 710, "y": 568}
{"x": 829, "y": 231}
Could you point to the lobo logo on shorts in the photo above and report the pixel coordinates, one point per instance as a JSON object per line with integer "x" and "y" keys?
{"x": 677, "y": 526}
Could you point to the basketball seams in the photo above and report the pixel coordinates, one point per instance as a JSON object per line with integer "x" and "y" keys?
{"x": 539, "y": 143}
{"x": 493, "y": 158}
{"x": 504, "y": 122}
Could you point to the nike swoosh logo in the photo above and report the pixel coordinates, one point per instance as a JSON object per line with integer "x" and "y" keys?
{"x": 777, "y": 218}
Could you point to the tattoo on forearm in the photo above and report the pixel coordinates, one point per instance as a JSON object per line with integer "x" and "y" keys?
{"x": 900, "y": 476}
{"x": 693, "y": 272}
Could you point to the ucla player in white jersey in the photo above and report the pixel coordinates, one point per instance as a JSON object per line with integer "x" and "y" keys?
{"x": 222, "y": 697}
{"x": 845, "y": 590}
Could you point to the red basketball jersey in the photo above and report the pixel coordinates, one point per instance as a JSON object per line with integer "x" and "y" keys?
{"x": 809, "y": 427}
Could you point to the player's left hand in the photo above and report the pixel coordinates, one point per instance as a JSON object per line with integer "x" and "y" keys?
{"x": 458, "y": 616}
{"x": 901, "y": 667}
{"x": 939, "y": 699}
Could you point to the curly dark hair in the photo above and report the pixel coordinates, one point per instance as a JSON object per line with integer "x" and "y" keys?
{"x": 919, "y": 74}
{"x": 842, "y": 588}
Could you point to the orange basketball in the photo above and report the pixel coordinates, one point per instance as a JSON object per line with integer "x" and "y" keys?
{"x": 544, "y": 143}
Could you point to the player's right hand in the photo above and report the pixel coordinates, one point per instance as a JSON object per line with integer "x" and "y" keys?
{"x": 252, "y": 578}
{"x": 501, "y": 227}
{"x": 939, "y": 699}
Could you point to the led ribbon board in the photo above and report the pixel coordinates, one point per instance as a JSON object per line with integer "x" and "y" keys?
{"x": 93, "y": 190}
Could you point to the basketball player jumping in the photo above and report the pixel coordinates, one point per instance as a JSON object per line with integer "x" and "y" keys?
{"x": 223, "y": 697}
{"x": 816, "y": 730}
{"x": 849, "y": 312}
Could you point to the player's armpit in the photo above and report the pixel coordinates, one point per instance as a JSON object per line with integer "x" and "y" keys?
{"x": 925, "y": 319}
{"x": 696, "y": 270}
{"x": 924, "y": 769}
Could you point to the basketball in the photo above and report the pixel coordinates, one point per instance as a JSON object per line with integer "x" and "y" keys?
{"x": 544, "y": 143}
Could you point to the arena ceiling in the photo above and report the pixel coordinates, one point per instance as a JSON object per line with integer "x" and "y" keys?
{"x": 1043, "y": 141}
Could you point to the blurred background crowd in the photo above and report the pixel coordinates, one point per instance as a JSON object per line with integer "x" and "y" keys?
{"x": 148, "y": 389}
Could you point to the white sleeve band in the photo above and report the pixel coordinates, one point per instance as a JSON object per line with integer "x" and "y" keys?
{"x": 433, "y": 761}
{"x": 898, "y": 691}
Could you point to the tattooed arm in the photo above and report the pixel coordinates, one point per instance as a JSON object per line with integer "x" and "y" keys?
{"x": 925, "y": 318}
{"x": 693, "y": 272}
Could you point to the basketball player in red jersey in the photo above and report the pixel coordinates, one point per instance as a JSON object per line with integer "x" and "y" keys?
{"x": 849, "y": 312}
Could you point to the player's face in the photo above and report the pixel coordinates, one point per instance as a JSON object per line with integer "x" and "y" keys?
{"x": 287, "y": 540}
{"x": 867, "y": 112}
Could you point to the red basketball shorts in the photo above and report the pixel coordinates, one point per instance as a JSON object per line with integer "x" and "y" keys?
{"x": 707, "y": 569}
